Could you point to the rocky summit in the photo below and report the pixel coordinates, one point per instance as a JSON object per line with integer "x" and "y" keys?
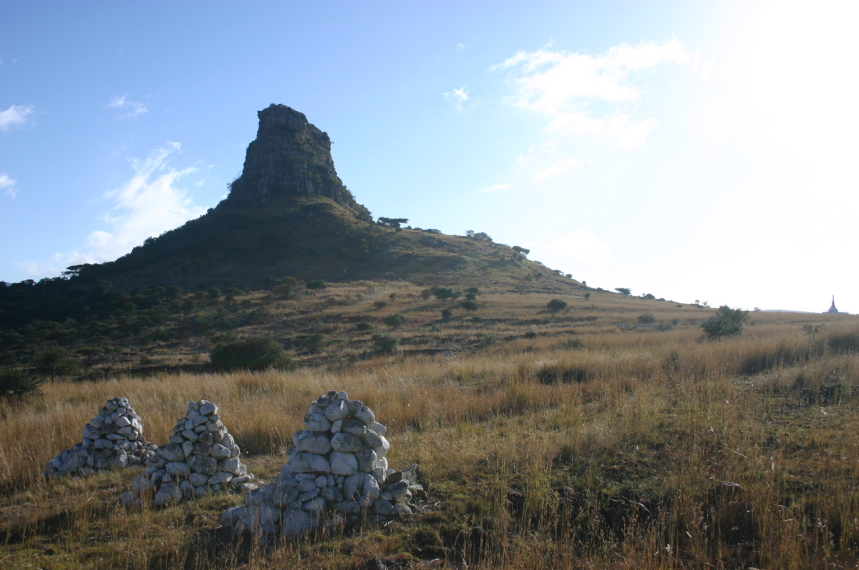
{"x": 289, "y": 214}
{"x": 289, "y": 158}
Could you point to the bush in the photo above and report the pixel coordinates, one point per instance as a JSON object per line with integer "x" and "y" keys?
{"x": 213, "y": 293}
{"x": 725, "y": 323}
{"x": 443, "y": 293}
{"x": 446, "y": 314}
{"x": 363, "y": 327}
{"x": 530, "y": 335}
{"x": 16, "y": 384}
{"x": 255, "y": 353}
{"x": 317, "y": 285}
{"x": 468, "y": 306}
{"x": 311, "y": 343}
{"x": 556, "y": 305}
{"x": 394, "y": 320}
{"x": 380, "y": 304}
{"x": 385, "y": 343}
{"x": 646, "y": 319}
{"x": 56, "y": 361}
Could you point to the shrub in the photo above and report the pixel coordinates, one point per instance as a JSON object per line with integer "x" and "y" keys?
{"x": 443, "y": 293}
{"x": 16, "y": 384}
{"x": 468, "y": 306}
{"x": 587, "y": 296}
{"x": 646, "y": 319}
{"x": 380, "y": 304}
{"x": 255, "y": 353}
{"x": 363, "y": 327}
{"x": 473, "y": 291}
{"x": 623, "y": 290}
{"x": 56, "y": 361}
{"x": 385, "y": 343}
{"x": 556, "y": 305}
{"x": 725, "y": 323}
{"x": 158, "y": 335}
{"x": 394, "y": 320}
{"x": 311, "y": 343}
{"x": 426, "y": 294}
{"x": 317, "y": 285}
{"x": 530, "y": 334}
{"x": 446, "y": 314}
{"x": 213, "y": 293}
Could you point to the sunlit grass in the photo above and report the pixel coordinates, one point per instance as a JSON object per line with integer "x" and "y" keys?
{"x": 611, "y": 454}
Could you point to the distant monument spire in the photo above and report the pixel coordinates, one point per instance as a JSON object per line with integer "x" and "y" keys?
{"x": 832, "y": 309}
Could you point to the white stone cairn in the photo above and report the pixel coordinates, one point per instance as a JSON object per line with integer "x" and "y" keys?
{"x": 201, "y": 458}
{"x": 111, "y": 440}
{"x": 336, "y": 473}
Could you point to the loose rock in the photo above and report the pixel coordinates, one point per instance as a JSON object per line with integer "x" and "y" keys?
{"x": 192, "y": 465}
{"x": 336, "y": 473}
{"x": 111, "y": 440}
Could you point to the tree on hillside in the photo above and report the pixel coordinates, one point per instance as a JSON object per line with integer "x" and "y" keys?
{"x": 16, "y": 384}
{"x": 255, "y": 353}
{"x": 385, "y": 343}
{"x": 56, "y": 361}
{"x": 393, "y": 223}
{"x": 394, "y": 321}
{"x": 443, "y": 293}
{"x": 317, "y": 285}
{"x": 725, "y": 323}
{"x": 468, "y": 306}
{"x": 623, "y": 290}
{"x": 646, "y": 319}
{"x": 556, "y": 305}
{"x": 521, "y": 250}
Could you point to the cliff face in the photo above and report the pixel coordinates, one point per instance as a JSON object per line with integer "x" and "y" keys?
{"x": 289, "y": 158}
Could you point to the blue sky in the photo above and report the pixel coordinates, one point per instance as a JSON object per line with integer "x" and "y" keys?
{"x": 687, "y": 149}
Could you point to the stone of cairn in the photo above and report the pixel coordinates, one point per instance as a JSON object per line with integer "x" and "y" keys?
{"x": 201, "y": 458}
{"x": 336, "y": 473}
{"x": 112, "y": 439}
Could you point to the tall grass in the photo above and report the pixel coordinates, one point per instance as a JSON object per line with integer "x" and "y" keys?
{"x": 634, "y": 451}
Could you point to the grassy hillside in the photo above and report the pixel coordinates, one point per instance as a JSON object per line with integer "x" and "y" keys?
{"x": 583, "y": 444}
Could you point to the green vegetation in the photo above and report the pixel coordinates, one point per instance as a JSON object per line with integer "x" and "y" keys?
{"x": 556, "y": 305}
{"x": 257, "y": 353}
{"x": 17, "y": 384}
{"x": 394, "y": 321}
{"x": 726, "y": 322}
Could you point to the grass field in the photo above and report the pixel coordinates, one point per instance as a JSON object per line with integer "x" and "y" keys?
{"x": 584, "y": 446}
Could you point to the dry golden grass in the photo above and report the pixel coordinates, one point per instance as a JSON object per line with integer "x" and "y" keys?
{"x": 611, "y": 455}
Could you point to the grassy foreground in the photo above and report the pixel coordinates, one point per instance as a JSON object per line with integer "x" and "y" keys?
{"x": 625, "y": 449}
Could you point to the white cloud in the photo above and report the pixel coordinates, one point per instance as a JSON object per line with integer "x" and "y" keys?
{"x": 545, "y": 149}
{"x": 457, "y": 97}
{"x": 495, "y": 187}
{"x": 14, "y": 116}
{"x": 460, "y": 47}
{"x": 8, "y": 185}
{"x": 564, "y": 86}
{"x": 556, "y": 168}
{"x": 147, "y": 204}
{"x": 578, "y": 245}
{"x": 123, "y": 103}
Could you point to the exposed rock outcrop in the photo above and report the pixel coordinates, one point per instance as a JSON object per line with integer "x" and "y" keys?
{"x": 289, "y": 158}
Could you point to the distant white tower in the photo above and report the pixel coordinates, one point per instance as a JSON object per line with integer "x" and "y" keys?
{"x": 832, "y": 309}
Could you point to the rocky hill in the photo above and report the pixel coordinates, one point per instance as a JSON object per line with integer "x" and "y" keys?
{"x": 289, "y": 214}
